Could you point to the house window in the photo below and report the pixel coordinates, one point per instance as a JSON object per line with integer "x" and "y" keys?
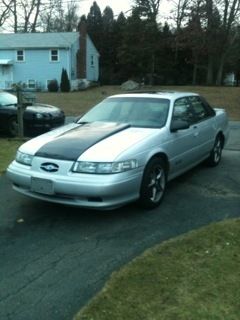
{"x": 54, "y": 55}
{"x": 92, "y": 61}
{"x": 31, "y": 84}
{"x": 5, "y": 69}
{"x": 20, "y": 55}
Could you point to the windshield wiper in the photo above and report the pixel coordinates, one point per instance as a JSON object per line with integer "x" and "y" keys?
{"x": 82, "y": 122}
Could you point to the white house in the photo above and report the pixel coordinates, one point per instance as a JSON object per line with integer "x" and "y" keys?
{"x": 37, "y": 58}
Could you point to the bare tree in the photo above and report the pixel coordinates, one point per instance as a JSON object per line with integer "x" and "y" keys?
{"x": 41, "y": 15}
{"x": 22, "y": 14}
{"x": 148, "y": 8}
{"x": 180, "y": 12}
{"x": 30, "y": 9}
{"x": 71, "y": 18}
{"x": 51, "y": 16}
{"x": 57, "y": 18}
{"x": 5, "y": 11}
{"x": 230, "y": 10}
{"x": 36, "y": 17}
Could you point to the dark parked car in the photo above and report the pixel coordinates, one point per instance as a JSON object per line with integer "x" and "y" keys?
{"x": 37, "y": 117}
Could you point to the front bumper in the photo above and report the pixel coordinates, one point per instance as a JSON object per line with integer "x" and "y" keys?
{"x": 82, "y": 190}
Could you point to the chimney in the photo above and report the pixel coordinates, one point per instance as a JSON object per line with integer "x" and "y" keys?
{"x": 82, "y": 52}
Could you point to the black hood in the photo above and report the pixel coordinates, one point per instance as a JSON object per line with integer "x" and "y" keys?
{"x": 71, "y": 144}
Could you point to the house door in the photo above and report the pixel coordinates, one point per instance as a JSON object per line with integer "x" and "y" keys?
{"x": 5, "y": 76}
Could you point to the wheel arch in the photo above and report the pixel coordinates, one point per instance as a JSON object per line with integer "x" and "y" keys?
{"x": 222, "y": 137}
{"x": 11, "y": 118}
{"x": 161, "y": 155}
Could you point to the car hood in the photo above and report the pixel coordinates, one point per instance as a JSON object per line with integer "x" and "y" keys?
{"x": 96, "y": 141}
{"x": 42, "y": 108}
{"x": 35, "y": 108}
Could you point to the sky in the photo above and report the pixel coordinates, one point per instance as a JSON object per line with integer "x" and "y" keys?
{"x": 120, "y": 5}
{"x": 117, "y": 6}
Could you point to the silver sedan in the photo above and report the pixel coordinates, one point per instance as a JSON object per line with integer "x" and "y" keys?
{"x": 124, "y": 149}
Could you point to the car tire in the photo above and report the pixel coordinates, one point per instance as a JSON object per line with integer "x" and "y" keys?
{"x": 13, "y": 127}
{"x": 216, "y": 153}
{"x": 153, "y": 184}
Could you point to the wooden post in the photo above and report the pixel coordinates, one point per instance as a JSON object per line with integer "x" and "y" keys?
{"x": 20, "y": 110}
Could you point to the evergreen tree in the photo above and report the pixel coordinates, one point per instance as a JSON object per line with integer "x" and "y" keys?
{"x": 118, "y": 31}
{"x": 65, "y": 83}
{"x": 107, "y": 58}
{"x": 133, "y": 51}
{"x": 95, "y": 26}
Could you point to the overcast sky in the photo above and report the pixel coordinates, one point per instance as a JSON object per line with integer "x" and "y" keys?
{"x": 121, "y": 5}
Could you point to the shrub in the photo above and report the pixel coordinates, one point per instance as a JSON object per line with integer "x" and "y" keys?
{"x": 53, "y": 86}
{"x": 65, "y": 83}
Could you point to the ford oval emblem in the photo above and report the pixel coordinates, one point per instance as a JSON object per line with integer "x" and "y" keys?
{"x": 49, "y": 167}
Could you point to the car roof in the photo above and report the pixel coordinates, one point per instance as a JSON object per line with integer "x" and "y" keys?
{"x": 171, "y": 95}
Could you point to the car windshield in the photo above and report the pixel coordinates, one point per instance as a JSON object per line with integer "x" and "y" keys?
{"x": 137, "y": 111}
{"x": 7, "y": 99}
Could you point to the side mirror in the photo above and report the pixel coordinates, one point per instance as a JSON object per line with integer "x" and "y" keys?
{"x": 177, "y": 125}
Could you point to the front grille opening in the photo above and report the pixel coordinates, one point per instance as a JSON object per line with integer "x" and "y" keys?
{"x": 94, "y": 199}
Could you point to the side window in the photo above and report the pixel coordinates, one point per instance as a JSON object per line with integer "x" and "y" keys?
{"x": 31, "y": 84}
{"x": 182, "y": 110}
{"x": 209, "y": 109}
{"x": 54, "y": 55}
{"x": 199, "y": 108}
{"x": 20, "y": 55}
{"x": 92, "y": 61}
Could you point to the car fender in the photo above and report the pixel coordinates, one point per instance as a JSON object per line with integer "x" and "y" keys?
{"x": 157, "y": 152}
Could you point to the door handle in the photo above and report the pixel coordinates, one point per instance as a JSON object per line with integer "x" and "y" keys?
{"x": 196, "y": 132}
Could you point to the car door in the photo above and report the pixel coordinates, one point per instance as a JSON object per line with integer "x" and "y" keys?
{"x": 204, "y": 124}
{"x": 183, "y": 144}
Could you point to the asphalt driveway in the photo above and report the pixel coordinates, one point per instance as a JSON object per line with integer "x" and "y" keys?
{"x": 54, "y": 258}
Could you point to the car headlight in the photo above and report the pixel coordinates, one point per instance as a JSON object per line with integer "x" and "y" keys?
{"x": 104, "y": 167}
{"x": 39, "y": 116}
{"x": 24, "y": 158}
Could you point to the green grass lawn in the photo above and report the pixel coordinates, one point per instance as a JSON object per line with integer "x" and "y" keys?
{"x": 8, "y": 149}
{"x": 76, "y": 103}
{"x": 192, "y": 277}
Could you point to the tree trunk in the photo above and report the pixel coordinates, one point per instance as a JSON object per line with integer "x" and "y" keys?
{"x": 36, "y": 16}
{"x": 220, "y": 69}
{"x": 194, "y": 77}
{"x": 151, "y": 80}
{"x": 210, "y": 71}
{"x": 15, "y": 16}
